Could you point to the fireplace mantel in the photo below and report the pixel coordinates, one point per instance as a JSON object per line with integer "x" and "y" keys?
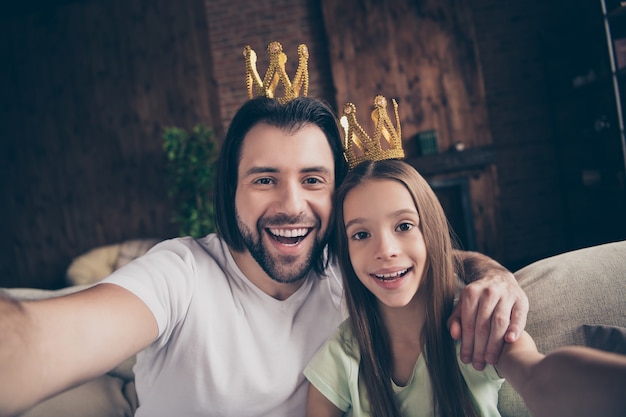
{"x": 453, "y": 161}
{"x": 466, "y": 185}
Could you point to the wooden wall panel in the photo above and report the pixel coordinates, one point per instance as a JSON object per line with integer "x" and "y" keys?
{"x": 90, "y": 86}
{"x": 420, "y": 52}
{"x": 423, "y": 54}
{"x": 86, "y": 86}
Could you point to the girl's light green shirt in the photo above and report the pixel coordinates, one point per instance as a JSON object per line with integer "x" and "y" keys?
{"x": 334, "y": 372}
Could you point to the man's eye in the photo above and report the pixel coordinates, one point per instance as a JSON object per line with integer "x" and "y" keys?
{"x": 312, "y": 181}
{"x": 263, "y": 181}
{"x": 360, "y": 235}
{"x": 405, "y": 227}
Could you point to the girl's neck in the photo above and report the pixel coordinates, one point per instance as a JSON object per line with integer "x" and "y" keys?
{"x": 404, "y": 326}
{"x": 405, "y": 322}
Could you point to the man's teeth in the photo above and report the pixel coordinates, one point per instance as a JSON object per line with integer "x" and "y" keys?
{"x": 289, "y": 232}
{"x": 392, "y": 275}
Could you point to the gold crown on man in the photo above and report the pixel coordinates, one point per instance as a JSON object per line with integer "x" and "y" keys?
{"x": 269, "y": 86}
{"x": 386, "y": 143}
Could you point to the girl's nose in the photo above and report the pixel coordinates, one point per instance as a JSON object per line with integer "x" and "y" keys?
{"x": 386, "y": 246}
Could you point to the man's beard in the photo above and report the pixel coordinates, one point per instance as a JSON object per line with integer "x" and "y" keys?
{"x": 284, "y": 268}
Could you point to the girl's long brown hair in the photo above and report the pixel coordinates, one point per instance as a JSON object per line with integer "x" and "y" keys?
{"x": 451, "y": 396}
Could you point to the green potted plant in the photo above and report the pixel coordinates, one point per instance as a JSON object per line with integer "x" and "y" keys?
{"x": 191, "y": 176}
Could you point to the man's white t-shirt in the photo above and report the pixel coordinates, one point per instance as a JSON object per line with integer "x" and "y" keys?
{"x": 225, "y": 348}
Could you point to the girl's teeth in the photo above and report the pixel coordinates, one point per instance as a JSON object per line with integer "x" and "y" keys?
{"x": 392, "y": 275}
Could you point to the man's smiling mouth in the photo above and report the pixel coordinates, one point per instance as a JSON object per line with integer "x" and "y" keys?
{"x": 288, "y": 236}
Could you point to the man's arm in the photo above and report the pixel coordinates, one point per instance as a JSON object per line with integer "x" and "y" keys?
{"x": 51, "y": 345}
{"x": 492, "y": 309}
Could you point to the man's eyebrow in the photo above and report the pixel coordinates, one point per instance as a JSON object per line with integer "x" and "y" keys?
{"x": 260, "y": 170}
{"x": 265, "y": 170}
{"x": 318, "y": 169}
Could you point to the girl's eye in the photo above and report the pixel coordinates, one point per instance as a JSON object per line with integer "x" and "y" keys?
{"x": 404, "y": 227}
{"x": 360, "y": 235}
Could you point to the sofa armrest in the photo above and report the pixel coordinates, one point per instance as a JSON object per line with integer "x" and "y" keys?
{"x": 104, "y": 396}
{"x": 567, "y": 294}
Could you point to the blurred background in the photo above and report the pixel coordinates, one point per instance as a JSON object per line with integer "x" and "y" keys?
{"x": 508, "y": 108}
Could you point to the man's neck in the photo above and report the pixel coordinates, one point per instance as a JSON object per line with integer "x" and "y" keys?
{"x": 256, "y": 275}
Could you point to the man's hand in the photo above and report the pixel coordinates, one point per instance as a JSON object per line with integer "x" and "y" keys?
{"x": 492, "y": 309}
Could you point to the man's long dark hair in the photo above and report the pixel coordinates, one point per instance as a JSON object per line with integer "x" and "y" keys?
{"x": 290, "y": 117}
{"x": 451, "y": 396}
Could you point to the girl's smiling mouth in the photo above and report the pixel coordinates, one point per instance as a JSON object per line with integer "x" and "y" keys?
{"x": 392, "y": 276}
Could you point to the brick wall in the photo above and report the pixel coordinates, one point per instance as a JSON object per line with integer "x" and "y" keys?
{"x": 236, "y": 23}
{"x": 526, "y": 50}
{"x": 510, "y": 37}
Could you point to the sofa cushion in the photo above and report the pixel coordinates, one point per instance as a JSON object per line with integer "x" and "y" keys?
{"x": 100, "y": 397}
{"x": 98, "y": 263}
{"x": 567, "y": 292}
{"x": 607, "y": 338}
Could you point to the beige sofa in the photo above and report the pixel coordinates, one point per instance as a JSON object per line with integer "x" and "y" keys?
{"x": 576, "y": 298}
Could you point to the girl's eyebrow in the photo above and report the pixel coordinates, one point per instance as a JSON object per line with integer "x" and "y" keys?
{"x": 354, "y": 221}
{"x": 396, "y": 213}
{"x": 403, "y": 211}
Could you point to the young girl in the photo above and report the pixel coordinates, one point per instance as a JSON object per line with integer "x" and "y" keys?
{"x": 394, "y": 356}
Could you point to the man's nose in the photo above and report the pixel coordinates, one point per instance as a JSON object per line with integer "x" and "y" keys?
{"x": 292, "y": 199}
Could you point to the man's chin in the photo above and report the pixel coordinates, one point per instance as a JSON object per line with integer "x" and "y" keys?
{"x": 282, "y": 263}
{"x": 290, "y": 269}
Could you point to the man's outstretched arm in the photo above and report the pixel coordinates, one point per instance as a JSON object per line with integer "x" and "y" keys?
{"x": 492, "y": 309}
{"x": 62, "y": 342}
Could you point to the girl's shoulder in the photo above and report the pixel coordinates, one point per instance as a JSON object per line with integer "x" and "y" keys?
{"x": 344, "y": 339}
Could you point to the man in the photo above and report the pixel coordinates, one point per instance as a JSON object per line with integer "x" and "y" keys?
{"x": 224, "y": 325}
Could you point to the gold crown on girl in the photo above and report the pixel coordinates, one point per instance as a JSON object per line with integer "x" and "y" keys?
{"x": 386, "y": 143}
{"x": 276, "y": 74}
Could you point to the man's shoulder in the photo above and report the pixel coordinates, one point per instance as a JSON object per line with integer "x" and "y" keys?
{"x": 343, "y": 343}
{"x": 186, "y": 256}
{"x": 331, "y": 281}
{"x": 333, "y": 271}
{"x": 211, "y": 245}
